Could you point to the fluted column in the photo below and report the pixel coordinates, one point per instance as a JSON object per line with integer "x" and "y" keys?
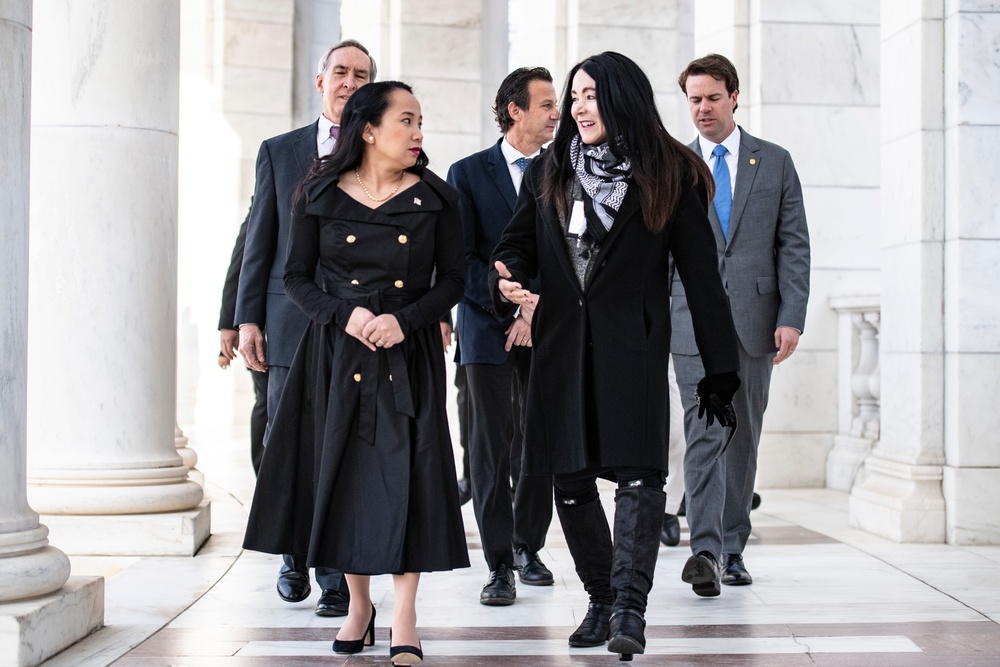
{"x": 104, "y": 280}
{"x": 38, "y": 616}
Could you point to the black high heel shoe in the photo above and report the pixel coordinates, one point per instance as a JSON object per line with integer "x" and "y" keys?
{"x": 348, "y": 646}
{"x": 404, "y": 655}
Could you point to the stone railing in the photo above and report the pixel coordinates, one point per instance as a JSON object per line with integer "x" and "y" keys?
{"x": 858, "y": 388}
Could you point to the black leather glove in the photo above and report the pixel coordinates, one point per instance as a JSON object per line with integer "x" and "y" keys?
{"x": 715, "y": 397}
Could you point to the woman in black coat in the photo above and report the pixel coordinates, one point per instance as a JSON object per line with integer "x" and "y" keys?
{"x": 597, "y": 219}
{"x": 359, "y": 472}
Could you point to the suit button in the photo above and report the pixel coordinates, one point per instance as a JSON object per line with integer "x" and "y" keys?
{"x": 351, "y": 238}
{"x": 355, "y": 282}
{"x": 357, "y": 377}
{"x": 398, "y": 283}
{"x": 729, "y": 253}
{"x": 580, "y": 302}
{"x": 402, "y": 238}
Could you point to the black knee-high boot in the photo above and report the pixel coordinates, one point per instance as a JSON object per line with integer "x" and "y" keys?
{"x": 638, "y": 517}
{"x": 589, "y": 540}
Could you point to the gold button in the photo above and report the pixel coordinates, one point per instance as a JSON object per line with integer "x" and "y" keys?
{"x": 355, "y": 282}
{"x": 390, "y": 378}
{"x": 351, "y": 238}
{"x": 398, "y": 283}
{"x": 402, "y": 238}
{"x": 357, "y": 377}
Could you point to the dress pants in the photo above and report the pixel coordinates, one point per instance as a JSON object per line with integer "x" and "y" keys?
{"x": 326, "y": 577}
{"x": 507, "y": 518}
{"x": 258, "y": 419}
{"x": 720, "y": 488}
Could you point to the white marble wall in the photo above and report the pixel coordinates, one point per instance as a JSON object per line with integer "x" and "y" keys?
{"x": 971, "y": 250}
{"x": 316, "y": 28}
{"x": 103, "y": 258}
{"x": 809, "y": 81}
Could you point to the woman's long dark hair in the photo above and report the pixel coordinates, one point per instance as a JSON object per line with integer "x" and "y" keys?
{"x": 661, "y": 166}
{"x": 367, "y": 105}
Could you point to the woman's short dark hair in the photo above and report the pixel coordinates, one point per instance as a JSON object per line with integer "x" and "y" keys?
{"x": 661, "y": 166}
{"x": 515, "y": 88}
{"x": 367, "y": 105}
{"x": 718, "y": 67}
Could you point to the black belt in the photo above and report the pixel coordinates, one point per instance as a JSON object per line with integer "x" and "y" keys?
{"x": 378, "y": 302}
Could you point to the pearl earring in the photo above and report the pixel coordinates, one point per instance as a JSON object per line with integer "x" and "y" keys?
{"x": 371, "y": 138}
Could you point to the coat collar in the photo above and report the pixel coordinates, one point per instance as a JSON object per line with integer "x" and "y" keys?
{"x": 421, "y": 197}
{"x": 304, "y": 147}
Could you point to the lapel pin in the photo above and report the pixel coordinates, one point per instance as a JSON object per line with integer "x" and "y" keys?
{"x": 416, "y": 201}
{"x": 753, "y": 161}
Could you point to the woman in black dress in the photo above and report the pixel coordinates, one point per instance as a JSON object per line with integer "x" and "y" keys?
{"x": 359, "y": 471}
{"x": 598, "y": 216}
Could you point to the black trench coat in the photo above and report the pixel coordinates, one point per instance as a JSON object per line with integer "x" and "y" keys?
{"x": 358, "y": 472}
{"x": 597, "y": 392}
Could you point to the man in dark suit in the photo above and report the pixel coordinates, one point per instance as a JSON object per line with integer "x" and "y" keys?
{"x": 763, "y": 242}
{"x": 496, "y": 349}
{"x": 229, "y": 340}
{"x": 262, "y": 307}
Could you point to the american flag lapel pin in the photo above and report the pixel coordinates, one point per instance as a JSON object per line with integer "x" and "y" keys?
{"x": 416, "y": 200}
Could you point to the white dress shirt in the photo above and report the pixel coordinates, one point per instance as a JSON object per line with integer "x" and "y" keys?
{"x": 324, "y": 142}
{"x": 732, "y": 144}
{"x": 511, "y": 154}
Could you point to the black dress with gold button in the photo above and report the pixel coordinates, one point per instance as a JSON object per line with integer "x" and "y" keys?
{"x": 359, "y": 472}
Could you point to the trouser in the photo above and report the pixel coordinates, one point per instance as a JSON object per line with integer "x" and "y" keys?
{"x": 720, "y": 488}
{"x": 507, "y": 518}
{"x": 676, "y": 444}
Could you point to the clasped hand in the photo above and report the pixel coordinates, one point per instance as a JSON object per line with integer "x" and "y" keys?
{"x": 715, "y": 397}
{"x": 374, "y": 331}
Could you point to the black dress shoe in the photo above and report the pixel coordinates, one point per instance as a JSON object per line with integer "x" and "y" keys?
{"x": 755, "y": 501}
{"x": 670, "y": 533}
{"x": 530, "y": 569}
{"x": 293, "y": 586}
{"x": 499, "y": 590}
{"x": 404, "y": 655}
{"x": 702, "y": 572}
{"x": 464, "y": 490}
{"x": 333, "y": 603}
{"x": 595, "y": 628}
{"x": 351, "y": 646}
{"x": 734, "y": 572}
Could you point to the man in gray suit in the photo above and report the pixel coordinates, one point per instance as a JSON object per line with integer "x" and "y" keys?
{"x": 760, "y": 229}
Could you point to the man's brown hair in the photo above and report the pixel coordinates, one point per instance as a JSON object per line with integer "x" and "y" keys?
{"x": 718, "y": 67}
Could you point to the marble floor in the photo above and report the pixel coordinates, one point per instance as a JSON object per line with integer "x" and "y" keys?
{"x": 823, "y": 594}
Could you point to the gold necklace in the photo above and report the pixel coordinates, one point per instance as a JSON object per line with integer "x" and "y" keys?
{"x": 357, "y": 172}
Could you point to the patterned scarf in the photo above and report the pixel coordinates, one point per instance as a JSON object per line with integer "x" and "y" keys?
{"x": 604, "y": 181}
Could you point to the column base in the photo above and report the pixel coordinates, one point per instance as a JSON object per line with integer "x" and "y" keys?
{"x": 844, "y": 465}
{"x": 899, "y": 501}
{"x": 163, "y": 534}
{"x": 973, "y": 497}
{"x": 32, "y": 631}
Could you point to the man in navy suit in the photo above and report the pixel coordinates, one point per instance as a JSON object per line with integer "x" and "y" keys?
{"x": 496, "y": 349}
{"x": 763, "y": 242}
{"x": 265, "y": 314}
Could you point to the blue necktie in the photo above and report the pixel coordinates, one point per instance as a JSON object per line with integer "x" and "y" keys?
{"x": 723, "y": 192}
{"x": 522, "y": 163}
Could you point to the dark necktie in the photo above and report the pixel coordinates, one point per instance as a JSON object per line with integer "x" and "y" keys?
{"x": 522, "y": 163}
{"x": 334, "y": 132}
{"x": 723, "y": 192}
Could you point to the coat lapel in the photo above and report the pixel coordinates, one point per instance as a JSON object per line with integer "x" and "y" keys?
{"x": 501, "y": 175}
{"x": 630, "y": 208}
{"x": 746, "y": 172}
{"x": 305, "y": 147}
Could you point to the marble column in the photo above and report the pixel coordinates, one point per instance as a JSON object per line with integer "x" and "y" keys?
{"x": 809, "y": 82}
{"x": 936, "y": 475}
{"x": 901, "y": 497}
{"x": 433, "y": 45}
{"x": 102, "y": 459}
{"x": 42, "y": 610}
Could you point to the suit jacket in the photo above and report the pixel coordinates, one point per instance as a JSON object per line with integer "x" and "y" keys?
{"x": 227, "y": 313}
{"x": 486, "y": 202}
{"x": 282, "y": 163}
{"x": 597, "y": 390}
{"x": 765, "y": 262}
